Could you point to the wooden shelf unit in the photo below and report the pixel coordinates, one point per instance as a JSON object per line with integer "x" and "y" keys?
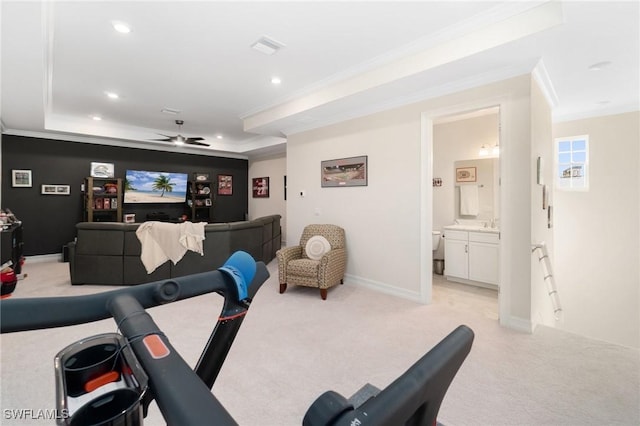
{"x": 200, "y": 200}
{"x": 102, "y": 199}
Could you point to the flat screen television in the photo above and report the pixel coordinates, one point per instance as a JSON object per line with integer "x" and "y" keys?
{"x": 155, "y": 187}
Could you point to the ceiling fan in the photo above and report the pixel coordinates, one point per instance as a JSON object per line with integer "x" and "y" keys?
{"x": 181, "y": 140}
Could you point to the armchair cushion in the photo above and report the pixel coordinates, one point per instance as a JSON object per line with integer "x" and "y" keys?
{"x": 316, "y": 247}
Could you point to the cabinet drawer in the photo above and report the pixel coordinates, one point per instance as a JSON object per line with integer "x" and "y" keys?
{"x": 484, "y": 237}
{"x": 456, "y": 235}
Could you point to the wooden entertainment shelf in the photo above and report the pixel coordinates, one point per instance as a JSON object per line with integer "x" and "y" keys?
{"x": 102, "y": 199}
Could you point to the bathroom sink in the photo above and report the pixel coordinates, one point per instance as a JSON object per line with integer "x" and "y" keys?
{"x": 470, "y": 227}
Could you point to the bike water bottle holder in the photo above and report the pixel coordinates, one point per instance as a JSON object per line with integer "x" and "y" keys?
{"x": 99, "y": 381}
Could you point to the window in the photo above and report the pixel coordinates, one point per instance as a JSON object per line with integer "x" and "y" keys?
{"x": 572, "y": 163}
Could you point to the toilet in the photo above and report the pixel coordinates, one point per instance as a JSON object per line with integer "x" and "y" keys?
{"x": 438, "y": 264}
{"x": 435, "y": 240}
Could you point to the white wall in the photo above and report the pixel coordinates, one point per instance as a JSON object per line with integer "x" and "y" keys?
{"x": 597, "y": 233}
{"x": 274, "y": 168}
{"x": 383, "y": 221}
{"x": 542, "y": 308}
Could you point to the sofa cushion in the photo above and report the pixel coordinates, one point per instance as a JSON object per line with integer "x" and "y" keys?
{"x": 247, "y": 236}
{"x": 92, "y": 269}
{"x": 109, "y": 242}
{"x": 134, "y": 271}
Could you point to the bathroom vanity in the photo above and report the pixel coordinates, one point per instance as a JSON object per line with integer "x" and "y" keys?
{"x": 472, "y": 255}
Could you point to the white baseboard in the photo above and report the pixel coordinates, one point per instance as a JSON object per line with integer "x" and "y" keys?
{"x": 518, "y": 324}
{"x": 44, "y": 258}
{"x": 383, "y": 288}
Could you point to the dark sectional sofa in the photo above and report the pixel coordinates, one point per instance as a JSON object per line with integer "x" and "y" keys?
{"x": 109, "y": 252}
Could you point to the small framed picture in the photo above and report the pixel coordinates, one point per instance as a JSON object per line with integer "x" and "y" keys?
{"x": 539, "y": 171}
{"x": 102, "y": 170}
{"x": 21, "y": 179}
{"x": 465, "y": 174}
{"x": 55, "y": 189}
{"x": 207, "y": 202}
{"x": 260, "y": 187}
{"x": 201, "y": 177}
{"x": 225, "y": 185}
{"x": 350, "y": 171}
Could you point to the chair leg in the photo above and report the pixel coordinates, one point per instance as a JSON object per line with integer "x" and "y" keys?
{"x": 323, "y": 293}
{"x": 283, "y": 287}
{"x": 341, "y": 281}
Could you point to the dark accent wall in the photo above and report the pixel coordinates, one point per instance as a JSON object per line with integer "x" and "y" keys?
{"x": 49, "y": 220}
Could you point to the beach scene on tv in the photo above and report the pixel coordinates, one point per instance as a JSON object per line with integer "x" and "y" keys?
{"x": 155, "y": 187}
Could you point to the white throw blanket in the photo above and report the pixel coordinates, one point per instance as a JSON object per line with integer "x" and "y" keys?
{"x": 168, "y": 241}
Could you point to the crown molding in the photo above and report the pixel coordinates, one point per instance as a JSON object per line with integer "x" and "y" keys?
{"x": 541, "y": 76}
{"x": 66, "y": 137}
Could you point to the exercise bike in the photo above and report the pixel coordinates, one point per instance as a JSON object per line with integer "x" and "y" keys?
{"x": 110, "y": 379}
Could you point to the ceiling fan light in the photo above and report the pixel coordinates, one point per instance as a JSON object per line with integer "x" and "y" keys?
{"x": 179, "y": 140}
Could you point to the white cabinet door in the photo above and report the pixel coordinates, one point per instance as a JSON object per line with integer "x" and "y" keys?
{"x": 455, "y": 258}
{"x": 483, "y": 262}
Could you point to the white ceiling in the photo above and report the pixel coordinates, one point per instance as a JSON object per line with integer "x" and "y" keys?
{"x": 340, "y": 60}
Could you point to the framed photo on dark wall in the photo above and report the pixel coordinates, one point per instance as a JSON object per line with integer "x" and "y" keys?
{"x": 225, "y": 185}
{"x": 21, "y": 178}
{"x": 260, "y": 187}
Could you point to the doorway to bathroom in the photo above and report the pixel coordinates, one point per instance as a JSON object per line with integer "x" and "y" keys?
{"x": 465, "y": 214}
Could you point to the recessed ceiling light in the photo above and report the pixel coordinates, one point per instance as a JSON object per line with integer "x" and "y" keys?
{"x": 267, "y": 45}
{"x": 601, "y": 103}
{"x": 96, "y": 118}
{"x": 219, "y": 136}
{"x": 599, "y": 66}
{"x": 121, "y": 27}
{"x": 276, "y": 80}
{"x": 112, "y": 95}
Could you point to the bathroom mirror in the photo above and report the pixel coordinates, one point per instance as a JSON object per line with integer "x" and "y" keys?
{"x": 476, "y": 194}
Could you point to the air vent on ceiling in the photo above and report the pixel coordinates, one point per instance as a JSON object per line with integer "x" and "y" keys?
{"x": 267, "y": 45}
{"x": 170, "y": 111}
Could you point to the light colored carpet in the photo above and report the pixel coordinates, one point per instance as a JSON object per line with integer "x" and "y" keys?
{"x": 293, "y": 347}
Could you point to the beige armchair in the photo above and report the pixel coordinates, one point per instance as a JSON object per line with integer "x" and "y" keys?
{"x": 314, "y": 263}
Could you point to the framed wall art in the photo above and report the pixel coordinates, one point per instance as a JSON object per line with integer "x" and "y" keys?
{"x": 21, "y": 179}
{"x": 260, "y": 187}
{"x": 102, "y": 170}
{"x": 55, "y": 189}
{"x": 225, "y": 185}
{"x": 350, "y": 171}
{"x": 201, "y": 177}
{"x": 466, "y": 174}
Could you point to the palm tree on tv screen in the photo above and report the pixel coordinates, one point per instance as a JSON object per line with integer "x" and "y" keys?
{"x": 163, "y": 183}
{"x": 128, "y": 186}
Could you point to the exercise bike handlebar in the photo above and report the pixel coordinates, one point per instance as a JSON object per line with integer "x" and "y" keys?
{"x": 50, "y": 312}
{"x": 181, "y": 395}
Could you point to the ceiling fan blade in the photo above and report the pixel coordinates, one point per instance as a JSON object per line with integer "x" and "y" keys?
{"x": 194, "y": 141}
{"x": 167, "y": 139}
